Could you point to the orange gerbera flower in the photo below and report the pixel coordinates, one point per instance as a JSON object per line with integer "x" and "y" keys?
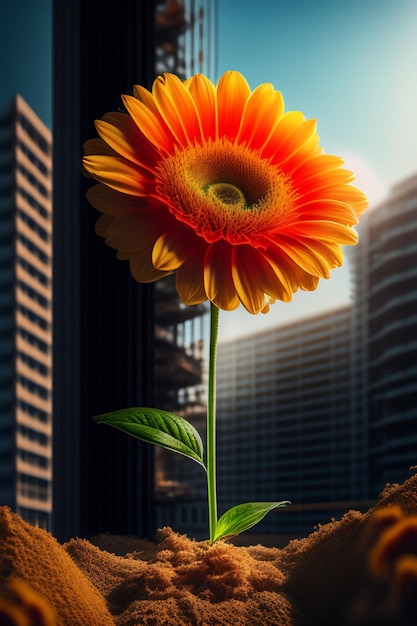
{"x": 220, "y": 186}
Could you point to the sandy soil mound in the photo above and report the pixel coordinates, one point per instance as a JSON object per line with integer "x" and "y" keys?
{"x": 360, "y": 571}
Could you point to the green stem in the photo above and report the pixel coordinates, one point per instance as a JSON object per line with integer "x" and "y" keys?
{"x": 211, "y": 423}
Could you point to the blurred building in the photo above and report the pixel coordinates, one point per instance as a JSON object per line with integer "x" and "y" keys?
{"x": 116, "y": 342}
{"x": 180, "y": 353}
{"x": 185, "y": 38}
{"x": 103, "y": 319}
{"x": 322, "y": 412}
{"x": 385, "y": 264}
{"x": 25, "y": 314}
{"x": 288, "y": 428}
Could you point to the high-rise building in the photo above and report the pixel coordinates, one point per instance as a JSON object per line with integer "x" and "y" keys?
{"x": 186, "y": 37}
{"x": 288, "y": 428}
{"x": 103, "y": 330}
{"x": 104, "y": 335}
{"x": 26, "y": 314}
{"x": 185, "y": 44}
{"x": 322, "y": 412}
{"x": 385, "y": 263}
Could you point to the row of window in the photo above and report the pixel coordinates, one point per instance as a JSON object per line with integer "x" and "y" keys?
{"x": 34, "y": 340}
{"x": 33, "y": 317}
{"x": 33, "y": 158}
{"x": 33, "y": 435}
{"x": 32, "y": 202}
{"x": 33, "y": 248}
{"x": 33, "y": 225}
{"x": 33, "y": 180}
{"x": 35, "y": 136}
{"x": 33, "y": 459}
{"x": 33, "y": 271}
{"x": 34, "y": 364}
{"x": 33, "y": 387}
{"x": 33, "y": 411}
{"x": 40, "y": 519}
{"x": 33, "y": 294}
{"x": 32, "y": 486}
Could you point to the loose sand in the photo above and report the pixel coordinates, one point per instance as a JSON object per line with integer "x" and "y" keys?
{"x": 322, "y": 580}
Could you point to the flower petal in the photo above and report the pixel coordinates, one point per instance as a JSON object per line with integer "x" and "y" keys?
{"x": 325, "y": 231}
{"x": 319, "y": 181}
{"x": 177, "y": 108}
{"x": 142, "y": 269}
{"x": 218, "y": 281}
{"x": 170, "y": 250}
{"x": 103, "y": 224}
{"x": 203, "y": 93}
{"x": 145, "y": 96}
{"x": 283, "y": 263}
{"x": 261, "y": 114}
{"x": 232, "y": 93}
{"x": 118, "y": 174}
{"x": 120, "y": 132}
{"x": 97, "y": 146}
{"x": 251, "y": 287}
{"x": 133, "y": 232}
{"x": 331, "y": 210}
{"x": 332, "y": 192}
{"x": 112, "y": 202}
{"x": 190, "y": 277}
{"x": 290, "y": 135}
{"x": 148, "y": 123}
{"x": 306, "y": 257}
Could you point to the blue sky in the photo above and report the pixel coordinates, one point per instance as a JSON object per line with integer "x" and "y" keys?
{"x": 352, "y": 65}
{"x": 25, "y": 52}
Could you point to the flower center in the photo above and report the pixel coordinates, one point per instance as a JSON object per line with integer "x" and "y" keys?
{"x": 226, "y": 191}
{"x": 227, "y": 194}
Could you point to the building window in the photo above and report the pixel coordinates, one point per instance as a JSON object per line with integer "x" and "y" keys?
{"x": 33, "y": 435}
{"x": 33, "y": 180}
{"x": 41, "y": 232}
{"x": 36, "y": 518}
{"x": 33, "y": 387}
{"x": 33, "y": 340}
{"x": 35, "y": 136}
{"x": 33, "y": 363}
{"x": 33, "y": 294}
{"x": 33, "y": 158}
{"x": 33, "y": 248}
{"x": 33, "y": 411}
{"x": 33, "y": 271}
{"x": 33, "y": 317}
{"x": 32, "y": 487}
{"x": 32, "y": 202}
{"x": 33, "y": 459}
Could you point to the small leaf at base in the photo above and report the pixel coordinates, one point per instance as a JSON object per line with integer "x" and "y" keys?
{"x": 243, "y": 516}
{"x": 161, "y": 428}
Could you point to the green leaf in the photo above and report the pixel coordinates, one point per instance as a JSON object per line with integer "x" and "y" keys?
{"x": 158, "y": 427}
{"x": 243, "y": 516}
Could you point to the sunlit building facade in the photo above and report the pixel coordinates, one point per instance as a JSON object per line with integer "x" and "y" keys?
{"x": 25, "y": 314}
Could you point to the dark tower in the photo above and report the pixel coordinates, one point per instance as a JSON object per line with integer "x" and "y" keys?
{"x": 103, "y": 320}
